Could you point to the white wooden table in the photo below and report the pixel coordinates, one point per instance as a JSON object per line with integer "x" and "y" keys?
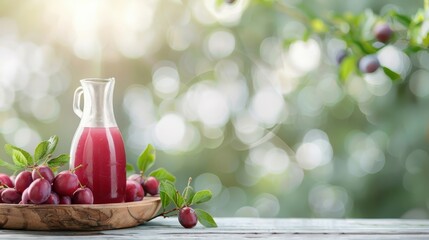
{"x": 250, "y": 228}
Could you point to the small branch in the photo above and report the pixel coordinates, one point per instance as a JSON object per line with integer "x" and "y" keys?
{"x": 164, "y": 214}
{"x": 38, "y": 173}
{"x": 76, "y": 168}
{"x": 185, "y": 194}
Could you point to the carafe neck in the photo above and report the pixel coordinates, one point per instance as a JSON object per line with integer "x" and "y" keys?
{"x": 98, "y": 103}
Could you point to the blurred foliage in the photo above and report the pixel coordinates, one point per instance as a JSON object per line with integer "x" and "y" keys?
{"x": 246, "y": 97}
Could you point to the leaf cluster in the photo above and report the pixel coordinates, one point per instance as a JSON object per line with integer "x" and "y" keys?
{"x": 356, "y": 30}
{"x": 169, "y": 195}
{"x": 43, "y": 155}
{"x": 145, "y": 161}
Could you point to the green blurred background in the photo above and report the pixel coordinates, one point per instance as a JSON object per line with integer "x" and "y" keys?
{"x": 270, "y": 130}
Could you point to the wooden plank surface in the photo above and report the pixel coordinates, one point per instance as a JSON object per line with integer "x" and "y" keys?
{"x": 244, "y": 228}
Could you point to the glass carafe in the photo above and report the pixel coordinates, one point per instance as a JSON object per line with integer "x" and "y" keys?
{"x": 97, "y": 144}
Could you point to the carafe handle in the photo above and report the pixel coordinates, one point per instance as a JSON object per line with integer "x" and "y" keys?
{"x": 76, "y": 101}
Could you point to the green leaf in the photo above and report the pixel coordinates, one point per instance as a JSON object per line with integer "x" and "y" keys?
{"x": 146, "y": 159}
{"x": 205, "y": 218}
{"x": 8, "y": 165}
{"x": 167, "y": 190}
{"x": 404, "y": 20}
{"x": 358, "y": 46}
{"x": 419, "y": 17}
{"x": 412, "y": 49}
{"x": 10, "y": 149}
{"x": 59, "y": 161}
{"x": 201, "y": 196}
{"x": 178, "y": 199}
{"x": 53, "y": 141}
{"x": 391, "y": 74}
{"x": 19, "y": 159}
{"x": 41, "y": 151}
{"x": 188, "y": 194}
{"x": 347, "y": 67}
{"x": 368, "y": 47}
{"x": 161, "y": 174}
{"x": 190, "y": 197}
{"x": 130, "y": 168}
{"x": 165, "y": 200}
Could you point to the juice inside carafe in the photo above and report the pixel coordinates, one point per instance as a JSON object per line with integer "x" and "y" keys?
{"x": 101, "y": 153}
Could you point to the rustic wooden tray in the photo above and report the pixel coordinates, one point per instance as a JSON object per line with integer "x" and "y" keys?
{"x": 78, "y": 217}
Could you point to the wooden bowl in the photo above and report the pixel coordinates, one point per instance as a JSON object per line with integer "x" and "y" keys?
{"x": 78, "y": 217}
